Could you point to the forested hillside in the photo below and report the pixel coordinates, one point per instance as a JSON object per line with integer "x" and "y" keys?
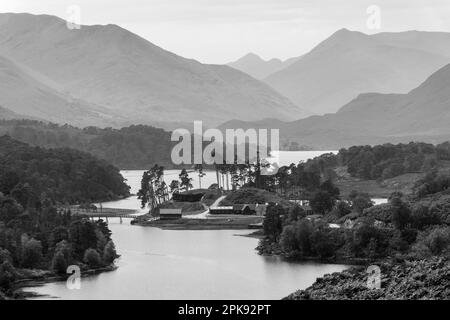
{"x": 38, "y": 237}
{"x": 33, "y": 175}
{"x": 133, "y": 147}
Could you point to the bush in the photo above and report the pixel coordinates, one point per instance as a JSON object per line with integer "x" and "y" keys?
{"x": 422, "y": 217}
{"x": 323, "y": 243}
{"x": 92, "y": 258}
{"x": 31, "y": 253}
{"x": 5, "y": 256}
{"x": 7, "y": 275}
{"x": 401, "y": 214}
{"x": 272, "y": 221}
{"x": 438, "y": 240}
{"x": 303, "y": 232}
{"x": 322, "y": 202}
{"x": 381, "y": 212}
{"x": 287, "y": 239}
{"x": 341, "y": 209}
{"x": 431, "y": 242}
{"x": 361, "y": 202}
{"x": 59, "y": 263}
{"x": 109, "y": 253}
{"x": 62, "y": 257}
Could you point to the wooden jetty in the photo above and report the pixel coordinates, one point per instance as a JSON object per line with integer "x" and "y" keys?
{"x": 104, "y": 213}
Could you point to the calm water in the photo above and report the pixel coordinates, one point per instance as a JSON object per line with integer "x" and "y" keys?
{"x": 162, "y": 264}
{"x": 207, "y": 264}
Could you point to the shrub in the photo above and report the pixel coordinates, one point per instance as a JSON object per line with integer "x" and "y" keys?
{"x": 435, "y": 241}
{"x": 92, "y": 258}
{"x": 342, "y": 208}
{"x": 62, "y": 257}
{"x": 401, "y": 214}
{"x": 296, "y": 213}
{"x": 287, "y": 239}
{"x": 322, "y": 202}
{"x": 422, "y": 217}
{"x": 59, "y": 263}
{"x": 5, "y": 256}
{"x": 438, "y": 240}
{"x": 31, "y": 253}
{"x": 303, "y": 232}
{"x": 7, "y": 275}
{"x": 381, "y": 212}
{"x": 109, "y": 253}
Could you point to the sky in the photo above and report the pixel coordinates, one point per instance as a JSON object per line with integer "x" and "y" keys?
{"x": 221, "y": 31}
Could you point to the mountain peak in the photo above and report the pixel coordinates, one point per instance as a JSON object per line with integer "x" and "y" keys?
{"x": 345, "y": 33}
{"x": 250, "y": 58}
{"x": 108, "y": 72}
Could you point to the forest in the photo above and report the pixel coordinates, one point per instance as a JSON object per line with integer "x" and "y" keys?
{"x": 38, "y": 236}
{"x": 352, "y": 229}
{"x": 133, "y": 147}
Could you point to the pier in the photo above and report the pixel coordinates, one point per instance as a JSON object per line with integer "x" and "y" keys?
{"x": 105, "y": 213}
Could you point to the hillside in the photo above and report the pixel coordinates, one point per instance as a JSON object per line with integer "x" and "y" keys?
{"x": 8, "y": 114}
{"x": 133, "y": 147}
{"x": 32, "y": 175}
{"x": 28, "y": 97}
{"x": 374, "y": 118}
{"x": 426, "y": 279}
{"x": 130, "y": 79}
{"x": 258, "y": 68}
{"x": 350, "y": 63}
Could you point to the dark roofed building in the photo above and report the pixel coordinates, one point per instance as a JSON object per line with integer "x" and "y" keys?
{"x": 187, "y": 197}
{"x": 222, "y": 210}
{"x": 170, "y": 214}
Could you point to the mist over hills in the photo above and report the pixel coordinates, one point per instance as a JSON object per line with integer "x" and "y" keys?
{"x": 110, "y": 73}
{"x": 422, "y": 114}
{"x": 350, "y": 63}
{"x": 28, "y": 97}
{"x": 258, "y": 68}
{"x": 106, "y": 76}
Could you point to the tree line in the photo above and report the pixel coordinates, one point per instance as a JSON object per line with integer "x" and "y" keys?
{"x": 415, "y": 227}
{"x": 133, "y": 147}
{"x": 36, "y": 232}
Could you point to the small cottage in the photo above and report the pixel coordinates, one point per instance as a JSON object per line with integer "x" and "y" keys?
{"x": 170, "y": 214}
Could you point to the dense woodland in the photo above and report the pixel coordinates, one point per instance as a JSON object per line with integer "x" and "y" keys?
{"x": 133, "y": 147}
{"x": 413, "y": 227}
{"x": 388, "y": 160}
{"x": 36, "y": 232}
{"x": 60, "y": 175}
{"x": 140, "y": 146}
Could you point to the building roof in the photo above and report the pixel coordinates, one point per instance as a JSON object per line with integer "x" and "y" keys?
{"x": 170, "y": 211}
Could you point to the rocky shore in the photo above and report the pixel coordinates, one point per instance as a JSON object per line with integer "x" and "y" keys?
{"x": 411, "y": 280}
{"x": 33, "y": 278}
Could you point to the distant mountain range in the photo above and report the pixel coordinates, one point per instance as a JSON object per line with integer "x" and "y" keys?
{"x": 423, "y": 114}
{"x": 258, "y": 68}
{"x": 108, "y": 76}
{"x": 27, "y": 96}
{"x": 350, "y": 63}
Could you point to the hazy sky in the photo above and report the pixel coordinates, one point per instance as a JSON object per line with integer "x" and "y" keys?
{"x": 219, "y": 31}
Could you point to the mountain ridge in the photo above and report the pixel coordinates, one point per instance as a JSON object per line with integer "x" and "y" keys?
{"x": 133, "y": 79}
{"x": 259, "y": 68}
{"x": 422, "y": 114}
{"x": 349, "y": 63}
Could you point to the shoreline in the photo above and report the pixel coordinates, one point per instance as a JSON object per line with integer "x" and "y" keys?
{"x": 222, "y": 223}
{"x": 20, "y": 286}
